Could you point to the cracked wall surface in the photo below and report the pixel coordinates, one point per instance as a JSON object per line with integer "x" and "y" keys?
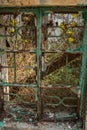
{"x": 41, "y": 2}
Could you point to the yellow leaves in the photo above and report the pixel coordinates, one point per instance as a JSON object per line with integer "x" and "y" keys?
{"x": 25, "y": 41}
{"x": 75, "y": 15}
{"x": 68, "y": 28}
{"x": 71, "y": 40}
{"x": 70, "y": 32}
{"x": 63, "y": 25}
{"x": 12, "y": 30}
{"x": 13, "y": 22}
{"x": 73, "y": 24}
{"x": 19, "y": 39}
{"x": 25, "y": 18}
{"x": 30, "y": 71}
{"x": 62, "y": 14}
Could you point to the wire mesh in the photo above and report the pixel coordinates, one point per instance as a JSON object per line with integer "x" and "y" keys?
{"x": 60, "y": 70}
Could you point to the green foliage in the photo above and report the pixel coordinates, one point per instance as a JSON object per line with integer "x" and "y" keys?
{"x": 65, "y": 75}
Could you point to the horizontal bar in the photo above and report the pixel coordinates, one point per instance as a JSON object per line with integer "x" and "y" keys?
{"x": 65, "y": 51}
{"x": 3, "y": 67}
{"x": 19, "y": 97}
{"x": 13, "y": 102}
{"x": 50, "y": 26}
{"x": 17, "y": 85}
{"x": 26, "y": 67}
{"x": 52, "y": 36}
{"x": 43, "y": 51}
{"x": 63, "y": 9}
{"x": 58, "y": 86}
{"x": 72, "y": 9}
{"x": 14, "y": 9}
{"x": 58, "y": 104}
{"x": 53, "y": 51}
{"x": 19, "y": 51}
{"x": 13, "y": 94}
{"x": 61, "y": 101}
{"x": 60, "y": 98}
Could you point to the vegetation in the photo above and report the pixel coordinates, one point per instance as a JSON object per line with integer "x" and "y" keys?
{"x": 62, "y": 32}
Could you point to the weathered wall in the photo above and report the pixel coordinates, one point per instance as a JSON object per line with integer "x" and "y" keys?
{"x": 40, "y": 2}
{"x": 3, "y": 59}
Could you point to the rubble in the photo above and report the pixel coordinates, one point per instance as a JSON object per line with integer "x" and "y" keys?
{"x": 40, "y": 126}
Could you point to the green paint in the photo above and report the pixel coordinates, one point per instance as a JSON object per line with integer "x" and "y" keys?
{"x": 39, "y": 14}
{"x": 83, "y": 71}
{"x": 39, "y": 44}
{"x": 62, "y": 101}
{"x": 1, "y": 124}
{"x": 14, "y": 55}
{"x": 17, "y": 85}
{"x": 43, "y": 8}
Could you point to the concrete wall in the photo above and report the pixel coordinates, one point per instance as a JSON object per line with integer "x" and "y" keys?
{"x": 40, "y": 2}
{"x": 3, "y": 59}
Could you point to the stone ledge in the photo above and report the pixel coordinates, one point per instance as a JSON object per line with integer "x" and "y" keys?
{"x": 41, "y": 2}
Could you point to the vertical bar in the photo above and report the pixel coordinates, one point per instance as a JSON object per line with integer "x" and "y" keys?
{"x": 39, "y": 45}
{"x": 14, "y": 55}
{"x": 66, "y": 80}
{"x": 83, "y": 71}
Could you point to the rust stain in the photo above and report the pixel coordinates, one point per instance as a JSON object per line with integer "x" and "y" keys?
{"x": 41, "y": 2}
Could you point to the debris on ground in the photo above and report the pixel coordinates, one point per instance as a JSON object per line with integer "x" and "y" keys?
{"x": 40, "y": 126}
